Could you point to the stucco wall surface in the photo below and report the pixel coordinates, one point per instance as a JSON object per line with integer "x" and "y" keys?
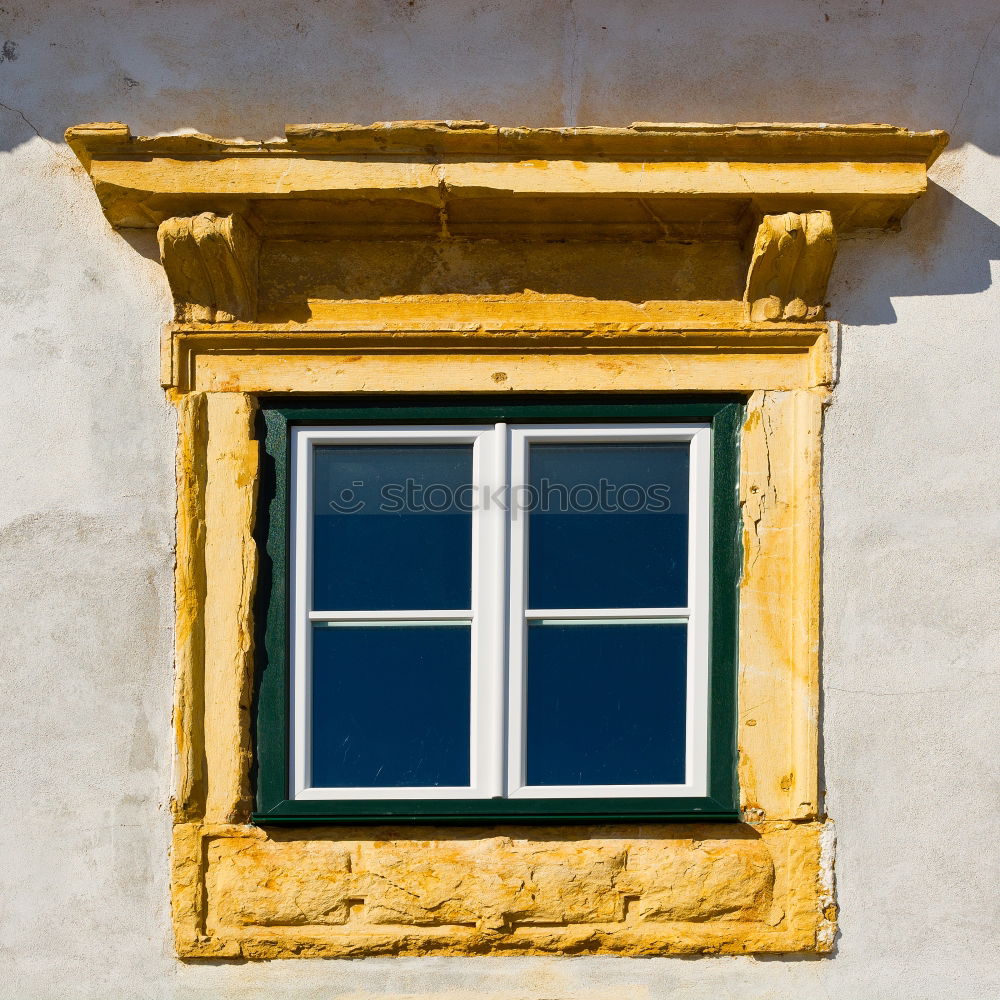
{"x": 912, "y": 523}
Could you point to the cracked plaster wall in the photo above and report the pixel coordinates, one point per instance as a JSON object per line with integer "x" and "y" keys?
{"x": 910, "y": 637}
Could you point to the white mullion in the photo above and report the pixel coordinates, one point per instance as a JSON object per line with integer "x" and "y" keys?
{"x": 492, "y": 609}
{"x": 517, "y": 634}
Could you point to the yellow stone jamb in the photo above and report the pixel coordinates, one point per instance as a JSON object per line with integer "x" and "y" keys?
{"x": 779, "y": 605}
{"x": 189, "y": 597}
{"x": 232, "y": 459}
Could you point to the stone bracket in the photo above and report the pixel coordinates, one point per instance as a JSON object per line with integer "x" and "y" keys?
{"x": 211, "y": 263}
{"x": 790, "y": 266}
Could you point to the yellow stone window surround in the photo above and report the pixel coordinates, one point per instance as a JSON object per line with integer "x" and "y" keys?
{"x": 458, "y": 257}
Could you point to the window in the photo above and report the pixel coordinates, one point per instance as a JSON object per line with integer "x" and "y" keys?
{"x": 486, "y": 610}
{"x": 304, "y": 293}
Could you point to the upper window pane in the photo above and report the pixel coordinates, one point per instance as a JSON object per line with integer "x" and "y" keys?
{"x": 392, "y": 527}
{"x": 608, "y": 525}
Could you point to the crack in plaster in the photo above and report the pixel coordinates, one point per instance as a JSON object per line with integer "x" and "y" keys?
{"x": 972, "y": 77}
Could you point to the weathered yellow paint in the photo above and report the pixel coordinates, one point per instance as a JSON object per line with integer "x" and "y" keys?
{"x": 329, "y": 303}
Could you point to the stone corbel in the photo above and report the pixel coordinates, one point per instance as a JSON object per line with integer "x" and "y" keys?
{"x": 790, "y": 266}
{"x": 211, "y": 264}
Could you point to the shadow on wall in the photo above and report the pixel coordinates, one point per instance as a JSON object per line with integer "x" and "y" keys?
{"x": 945, "y": 248}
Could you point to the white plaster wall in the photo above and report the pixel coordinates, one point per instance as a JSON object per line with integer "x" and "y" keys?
{"x": 912, "y": 522}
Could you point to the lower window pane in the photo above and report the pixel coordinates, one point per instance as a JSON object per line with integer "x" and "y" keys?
{"x": 606, "y": 703}
{"x": 390, "y": 706}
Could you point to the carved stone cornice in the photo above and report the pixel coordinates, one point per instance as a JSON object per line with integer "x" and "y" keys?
{"x": 276, "y": 231}
{"x": 474, "y": 179}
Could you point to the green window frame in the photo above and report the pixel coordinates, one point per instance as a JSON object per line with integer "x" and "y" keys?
{"x": 272, "y": 733}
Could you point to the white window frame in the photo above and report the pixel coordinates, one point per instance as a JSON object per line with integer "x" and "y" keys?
{"x": 695, "y": 615}
{"x": 487, "y": 626}
{"x": 498, "y": 614}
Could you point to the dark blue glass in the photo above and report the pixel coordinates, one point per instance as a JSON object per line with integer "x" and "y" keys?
{"x": 606, "y": 704}
{"x": 608, "y": 526}
{"x": 390, "y": 706}
{"x": 392, "y": 527}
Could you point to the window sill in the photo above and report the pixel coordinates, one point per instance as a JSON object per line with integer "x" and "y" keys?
{"x": 641, "y": 890}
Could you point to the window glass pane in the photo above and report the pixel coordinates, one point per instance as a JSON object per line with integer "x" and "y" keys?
{"x": 390, "y": 705}
{"x": 392, "y": 527}
{"x": 608, "y": 526}
{"x": 606, "y": 703}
